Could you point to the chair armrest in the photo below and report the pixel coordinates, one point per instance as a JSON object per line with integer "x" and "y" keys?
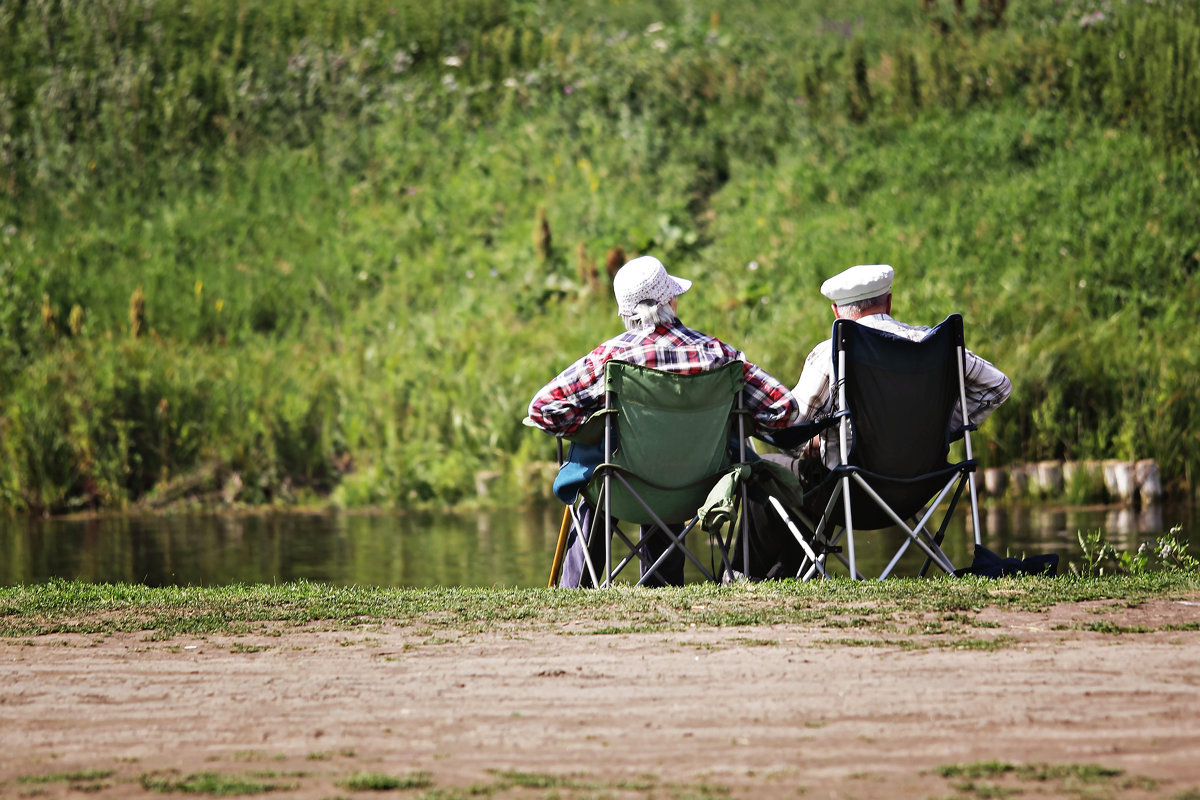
{"x": 961, "y": 431}
{"x": 795, "y": 436}
{"x": 590, "y": 432}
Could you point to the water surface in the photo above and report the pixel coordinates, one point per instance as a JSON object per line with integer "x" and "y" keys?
{"x": 497, "y": 548}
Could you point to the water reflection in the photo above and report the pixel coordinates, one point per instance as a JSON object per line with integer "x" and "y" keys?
{"x": 1057, "y": 528}
{"x": 504, "y": 548}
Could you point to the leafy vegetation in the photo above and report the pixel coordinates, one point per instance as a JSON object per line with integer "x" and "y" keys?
{"x": 283, "y": 252}
{"x": 1099, "y": 557}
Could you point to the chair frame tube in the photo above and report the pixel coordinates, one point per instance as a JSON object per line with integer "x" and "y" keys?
{"x": 962, "y": 400}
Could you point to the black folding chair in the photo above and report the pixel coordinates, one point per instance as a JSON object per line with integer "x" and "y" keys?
{"x": 895, "y": 402}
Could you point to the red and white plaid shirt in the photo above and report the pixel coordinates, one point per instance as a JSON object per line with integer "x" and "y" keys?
{"x": 565, "y": 403}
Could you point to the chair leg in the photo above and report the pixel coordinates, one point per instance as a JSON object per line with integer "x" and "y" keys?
{"x": 667, "y": 567}
{"x": 633, "y": 550}
{"x": 791, "y": 526}
{"x": 933, "y": 551}
{"x": 852, "y": 570}
{"x": 591, "y": 522}
{"x": 677, "y": 540}
{"x": 676, "y": 543}
{"x": 896, "y": 558}
{"x": 585, "y": 527}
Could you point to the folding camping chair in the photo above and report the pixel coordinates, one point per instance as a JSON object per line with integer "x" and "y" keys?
{"x": 894, "y": 408}
{"x": 665, "y": 444}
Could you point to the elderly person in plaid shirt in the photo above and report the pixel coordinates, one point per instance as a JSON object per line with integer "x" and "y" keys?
{"x": 646, "y": 302}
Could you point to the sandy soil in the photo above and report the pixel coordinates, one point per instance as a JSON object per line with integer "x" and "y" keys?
{"x": 782, "y": 711}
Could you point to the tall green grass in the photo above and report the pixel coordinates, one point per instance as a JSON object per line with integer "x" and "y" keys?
{"x": 320, "y": 220}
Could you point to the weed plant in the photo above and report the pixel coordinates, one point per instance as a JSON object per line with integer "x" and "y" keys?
{"x": 1100, "y": 557}
{"x": 278, "y": 252}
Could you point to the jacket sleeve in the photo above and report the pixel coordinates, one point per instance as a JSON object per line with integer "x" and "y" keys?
{"x": 987, "y": 387}
{"x": 769, "y": 400}
{"x": 564, "y": 404}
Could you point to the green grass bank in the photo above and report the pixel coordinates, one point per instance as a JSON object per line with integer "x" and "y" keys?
{"x": 284, "y": 253}
{"x": 59, "y": 607}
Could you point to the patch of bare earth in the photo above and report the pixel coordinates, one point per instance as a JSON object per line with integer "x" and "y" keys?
{"x": 745, "y": 712}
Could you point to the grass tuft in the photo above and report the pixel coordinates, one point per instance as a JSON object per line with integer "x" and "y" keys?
{"x": 378, "y": 782}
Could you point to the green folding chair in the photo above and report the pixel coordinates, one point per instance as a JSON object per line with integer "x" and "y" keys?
{"x": 666, "y": 442}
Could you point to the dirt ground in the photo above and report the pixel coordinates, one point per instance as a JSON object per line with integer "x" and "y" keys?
{"x": 785, "y": 711}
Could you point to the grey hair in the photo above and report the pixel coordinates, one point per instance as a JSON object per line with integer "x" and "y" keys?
{"x": 649, "y": 314}
{"x": 859, "y": 307}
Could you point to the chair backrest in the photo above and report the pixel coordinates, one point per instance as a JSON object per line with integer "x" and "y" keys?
{"x": 901, "y": 395}
{"x": 671, "y": 436}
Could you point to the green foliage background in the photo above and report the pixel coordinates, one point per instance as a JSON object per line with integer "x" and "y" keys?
{"x": 292, "y": 241}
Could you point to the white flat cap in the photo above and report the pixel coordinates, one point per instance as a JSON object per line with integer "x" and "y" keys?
{"x": 859, "y": 283}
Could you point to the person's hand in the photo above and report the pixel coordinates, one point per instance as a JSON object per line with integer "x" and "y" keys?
{"x": 813, "y": 448}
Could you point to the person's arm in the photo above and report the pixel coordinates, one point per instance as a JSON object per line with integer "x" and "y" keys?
{"x": 565, "y": 403}
{"x": 769, "y": 400}
{"x": 814, "y": 393}
{"x": 987, "y": 387}
{"x": 814, "y": 390}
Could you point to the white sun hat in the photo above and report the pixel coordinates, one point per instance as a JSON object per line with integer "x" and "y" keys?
{"x": 645, "y": 278}
{"x": 859, "y": 283}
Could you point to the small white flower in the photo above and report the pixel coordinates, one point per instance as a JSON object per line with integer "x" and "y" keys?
{"x": 453, "y": 61}
{"x": 654, "y": 27}
{"x": 753, "y": 265}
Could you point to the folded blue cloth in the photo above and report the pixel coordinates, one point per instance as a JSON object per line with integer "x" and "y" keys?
{"x": 576, "y": 470}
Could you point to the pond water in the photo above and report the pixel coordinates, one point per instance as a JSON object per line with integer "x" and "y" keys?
{"x": 499, "y": 548}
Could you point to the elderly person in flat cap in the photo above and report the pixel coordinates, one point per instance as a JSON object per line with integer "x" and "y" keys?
{"x": 864, "y": 294}
{"x": 654, "y": 337}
